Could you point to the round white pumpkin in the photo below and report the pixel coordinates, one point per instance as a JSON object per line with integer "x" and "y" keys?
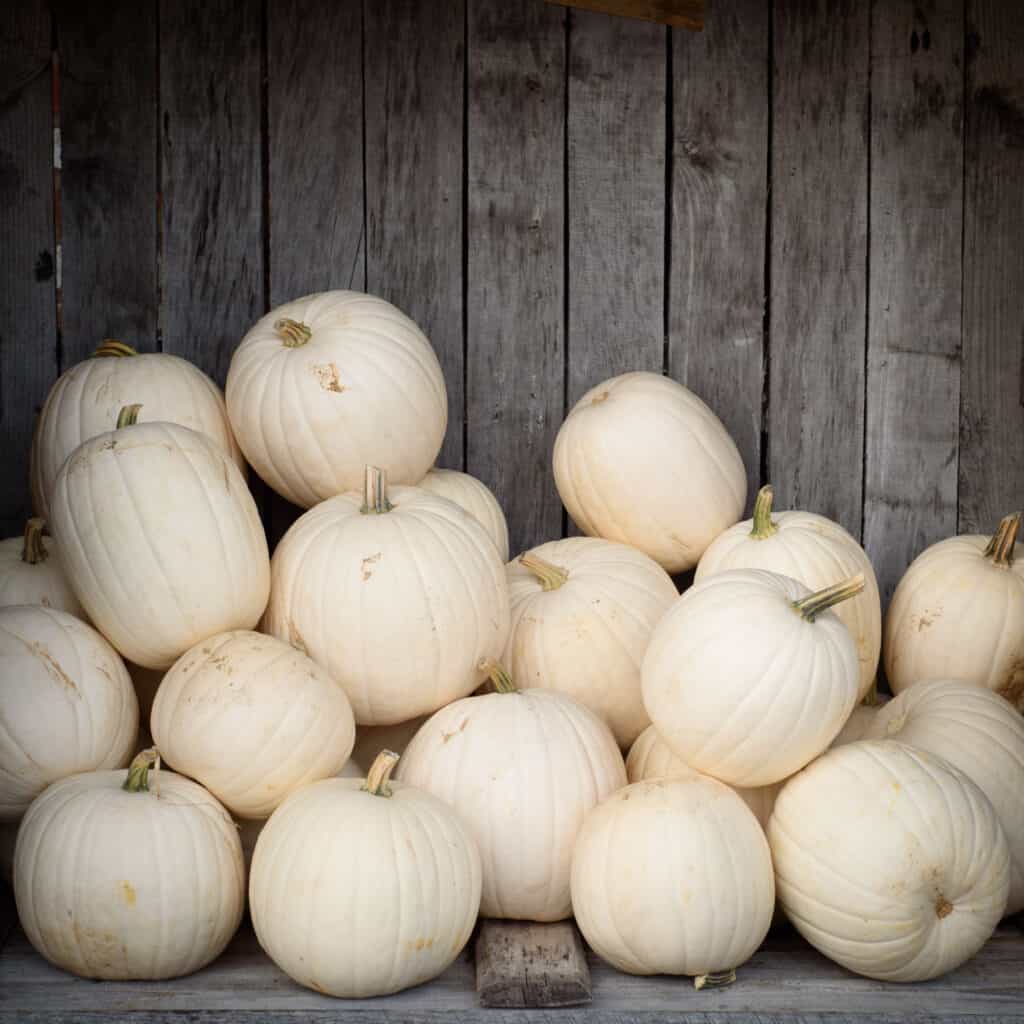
{"x": 398, "y": 593}
{"x": 372, "y": 739}
{"x": 817, "y": 552}
{"x": 977, "y": 732}
{"x": 128, "y": 884}
{"x": 252, "y": 719}
{"x": 364, "y": 887}
{"x": 31, "y": 572}
{"x": 642, "y": 460}
{"x": 750, "y": 676}
{"x": 476, "y": 498}
{"x": 958, "y": 613}
{"x": 673, "y": 876}
{"x": 321, "y": 386}
{"x": 86, "y": 401}
{"x": 66, "y": 703}
{"x": 889, "y": 861}
{"x": 522, "y": 768}
{"x": 583, "y": 610}
{"x": 161, "y": 539}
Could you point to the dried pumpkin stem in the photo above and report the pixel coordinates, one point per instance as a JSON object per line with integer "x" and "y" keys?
{"x": 814, "y": 604}
{"x": 128, "y": 416}
{"x": 551, "y": 576}
{"x": 375, "y": 492}
{"x": 763, "y": 526}
{"x": 113, "y": 347}
{"x": 138, "y": 771}
{"x": 294, "y": 333}
{"x": 379, "y": 775}
{"x": 33, "y": 551}
{"x": 1000, "y": 548}
{"x": 714, "y": 979}
{"x": 499, "y": 676}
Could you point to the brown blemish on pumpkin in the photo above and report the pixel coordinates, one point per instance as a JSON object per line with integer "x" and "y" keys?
{"x": 927, "y": 619}
{"x": 327, "y": 377}
{"x": 446, "y": 736}
{"x": 943, "y": 908}
{"x": 53, "y": 666}
{"x": 420, "y": 944}
{"x": 128, "y": 891}
{"x": 369, "y": 561}
{"x": 601, "y": 398}
{"x": 313, "y": 983}
{"x": 1012, "y": 687}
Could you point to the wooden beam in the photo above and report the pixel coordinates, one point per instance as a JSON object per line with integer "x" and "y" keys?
{"x": 677, "y": 13}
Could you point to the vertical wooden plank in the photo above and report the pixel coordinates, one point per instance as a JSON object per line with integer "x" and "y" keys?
{"x": 109, "y": 176}
{"x": 916, "y": 191}
{"x": 515, "y": 286}
{"x": 415, "y": 72}
{"x": 28, "y": 324}
{"x": 212, "y": 265}
{"x": 719, "y": 186}
{"x": 992, "y": 386}
{"x": 818, "y": 257}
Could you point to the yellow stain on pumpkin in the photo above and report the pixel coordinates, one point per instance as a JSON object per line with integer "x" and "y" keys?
{"x": 128, "y": 892}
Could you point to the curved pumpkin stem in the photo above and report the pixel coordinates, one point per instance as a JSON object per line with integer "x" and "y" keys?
{"x": 1001, "y": 547}
{"x": 763, "y": 526}
{"x": 499, "y": 676}
{"x": 379, "y": 775}
{"x": 33, "y": 551}
{"x": 714, "y": 979}
{"x": 551, "y": 576}
{"x": 814, "y": 604}
{"x": 138, "y": 771}
{"x": 375, "y": 492}
{"x": 128, "y": 416}
{"x": 113, "y": 347}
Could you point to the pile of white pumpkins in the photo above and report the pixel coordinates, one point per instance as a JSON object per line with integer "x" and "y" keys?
{"x": 276, "y": 691}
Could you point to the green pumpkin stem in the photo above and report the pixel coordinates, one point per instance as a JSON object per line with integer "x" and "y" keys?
{"x": 294, "y": 333}
{"x": 814, "y": 604}
{"x": 375, "y": 492}
{"x": 379, "y": 775}
{"x": 763, "y": 526}
{"x": 1001, "y": 547}
{"x": 499, "y": 676}
{"x": 551, "y": 576}
{"x": 714, "y": 979}
{"x": 113, "y": 347}
{"x": 32, "y": 550}
{"x": 128, "y": 416}
{"x": 138, "y": 771}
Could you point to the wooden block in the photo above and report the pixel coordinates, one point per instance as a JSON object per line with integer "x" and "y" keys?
{"x": 677, "y": 13}
{"x": 523, "y": 964}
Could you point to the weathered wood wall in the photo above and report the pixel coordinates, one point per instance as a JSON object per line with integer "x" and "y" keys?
{"x": 811, "y": 213}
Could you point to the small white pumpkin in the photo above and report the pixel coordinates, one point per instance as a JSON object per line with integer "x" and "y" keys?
{"x": 750, "y": 676}
{"x": 31, "y": 572}
{"x": 817, "y": 552}
{"x": 86, "y": 401}
{"x": 399, "y": 594}
{"x": 889, "y": 861}
{"x": 642, "y": 460}
{"x": 363, "y": 888}
{"x": 475, "y": 497}
{"x": 673, "y": 876}
{"x": 161, "y": 539}
{"x": 583, "y": 610}
{"x": 125, "y": 877}
{"x": 522, "y": 768}
{"x": 372, "y": 739}
{"x": 66, "y": 703}
{"x": 252, "y": 719}
{"x": 958, "y": 613}
{"x": 323, "y": 385}
{"x": 977, "y": 732}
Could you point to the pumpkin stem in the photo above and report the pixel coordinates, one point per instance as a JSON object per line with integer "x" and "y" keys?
{"x": 943, "y": 908}
{"x": 294, "y": 333}
{"x": 714, "y": 979}
{"x": 814, "y": 604}
{"x": 128, "y": 416}
{"x": 113, "y": 347}
{"x": 763, "y": 526}
{"x": 33, "y": 551}
{"x": 138, "y": 771}
{"x": 379, "y": 775}
{"x": 1000, "y": 547}
{"x": 551, "y": 576}
{"x": 499, "y": 676}
{"x": 375, "y": 492}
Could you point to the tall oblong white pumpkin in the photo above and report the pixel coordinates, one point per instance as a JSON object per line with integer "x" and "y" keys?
{"x": 31, "y": 572}
{"x": 161, "y": 539}
{"x": 642, "y": 460}
{"x": 323, "y": 385}
{"x": 475, "y": 497}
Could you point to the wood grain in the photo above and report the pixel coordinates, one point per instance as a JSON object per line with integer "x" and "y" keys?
{"x": 678, "y": 13}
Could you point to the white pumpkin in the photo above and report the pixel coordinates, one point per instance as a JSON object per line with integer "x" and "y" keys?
{"x": 750, "y": 676}
{"x": 363, "y": 888}
{"x": 66, "y": 703}
{"x": 522, "y": 768}
{"x": 475, "y": 497}
{"x": 673, "y": 876}
{"x": 958, "y": 613}
{"x": 889, "y": 861}
{"x": 321, "y": 386}
{"x": 857, "y": 725}
{"x": 31, "y": 572}
{"x": 122, "y": 876}
{"x": 817, "y": 552}
{"x": 86, "y": 401}
{"x": 399, "y": 594}
{"x": 582, "y": 614}
{"x": 642, "y": 460}
{"x": 372, "y": 739}
{"x": 977, "y": 732}
{"x": 252, "y": 719}
{"x": 161, "y": 539}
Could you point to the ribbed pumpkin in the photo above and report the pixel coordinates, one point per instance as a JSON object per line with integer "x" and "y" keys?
{"x": 522, "y": 768}
{"x": 161, "y": 539}
{"x": 323, "y": 385}
{"x": 642, "y": 460}
{"x": 817, "y": 552}
{"x": 66, "y": 703}
{"x": 86, "y": 401}
{"x": 398, "y": 593}
{"x": 31, "y": 572}
{"x": 475, "y": 497}
{"x": 583, "y": 610}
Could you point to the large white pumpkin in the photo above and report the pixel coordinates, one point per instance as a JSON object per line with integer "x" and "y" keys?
{"x": 321, "y": 386}
{"x": 522, "y": 768}
{"x": 476, "y": 498}
{"x": 583, "y": 610}
{"x": 362, "y": 888}
{"x": 398, "y": 593}
{"x": 642, "y": 460}
{"x": 817, "y": 552}
{"x": 750, "y": 676}
{"x": 978, "y": 732}
{"x": 889, "y": 861}
{"x": 252, "y": 719}
{"x": 958, "y": 613}
{"x": 161, "y": 539}
{"x": 673, "y": 876}
{"x": 31, "y": 572}
{"x": 66, "y": 703}
{"x": 86, "y": 401}
{"x": 127, "y": 875}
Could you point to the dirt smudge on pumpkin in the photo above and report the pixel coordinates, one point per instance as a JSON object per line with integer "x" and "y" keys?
{"x": 420, "y": 944}
{"x": 1012, "y": 687}
{"x": 328, "y": 378}
{"x": 367, "y": 567}
{"x": 128, "y": 892}
{"x": 446, "y": 736}
{"x": 927, "y": 619}
{"x": 53, "y": 666}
